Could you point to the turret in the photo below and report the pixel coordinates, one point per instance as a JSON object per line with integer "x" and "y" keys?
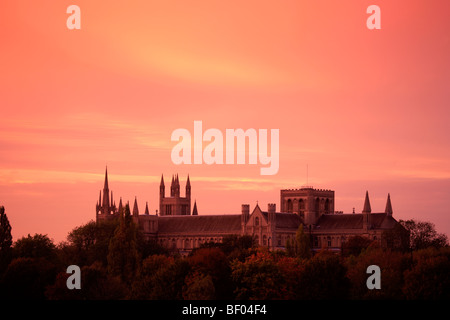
{"x": 366, "y": 212}
{"x": 271, "y": 209}
{"x": 188, "y": 188}
{"x": 195, "y": 211}
{"x": 245, "y": 216}
{"x": 120, "y": 205}
{"x": 388, "y": 209}
{"x": 135, "y": 207}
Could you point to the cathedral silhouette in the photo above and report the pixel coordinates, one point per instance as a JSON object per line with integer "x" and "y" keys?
{"x": 176, "y": 227}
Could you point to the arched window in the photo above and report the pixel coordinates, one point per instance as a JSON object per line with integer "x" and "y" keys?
{"x": 317, "y": 205}
{"x": 256, "y": 221}
{"x": 174, "y": 244}
{"x": 290, "y": 206}
{"x": 301, "y": 205}
{"x": 264, "y": 240}
{"x": 327, "y": 207}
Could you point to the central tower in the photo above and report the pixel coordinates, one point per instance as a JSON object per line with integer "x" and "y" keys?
{"x": 174, "y": 205}
{"x": 308, "y": 203}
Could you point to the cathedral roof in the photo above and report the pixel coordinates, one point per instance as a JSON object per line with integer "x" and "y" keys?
{"x": 285, "y": 220}
{"x": 354, "y": 221}
{"x": 226, "y": 224}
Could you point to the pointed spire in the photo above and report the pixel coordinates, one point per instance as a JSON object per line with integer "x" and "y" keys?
{"x": 105, "y": 187}
{"x": 135, "y": 207}
{"x": 106, "y": 204}
{"x": 162, "y": 181}
{"x": 112, "y": 202}
{"x": 188, "y": 183}
{"x": 367, "y": 208}
{"x": 146, "y": 208}
{"x": 388, "y": 209}
{"x": 120, "y": 205}
{"x": 195, "y": 211}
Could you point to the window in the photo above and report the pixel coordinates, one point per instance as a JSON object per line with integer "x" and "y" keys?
{"x": 290, "y": 206}
{"x": 327, "y": 206}
{"x": 301, "y": 204}
{"x": 329, "y": 241}
{"x": 264, "y": 240}
{"x": 256, "y": 221}
{"x": 316, "y": 242}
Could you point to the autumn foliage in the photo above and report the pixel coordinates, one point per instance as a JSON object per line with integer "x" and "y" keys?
{"x": 117, "y": 263}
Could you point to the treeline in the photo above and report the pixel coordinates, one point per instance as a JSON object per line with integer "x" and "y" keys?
{"x": 117, "y": 263}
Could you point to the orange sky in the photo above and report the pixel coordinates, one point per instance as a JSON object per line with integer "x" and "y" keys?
{"x": 364, "y": 109}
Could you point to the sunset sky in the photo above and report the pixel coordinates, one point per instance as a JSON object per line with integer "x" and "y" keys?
{"x": 362, "y": 109}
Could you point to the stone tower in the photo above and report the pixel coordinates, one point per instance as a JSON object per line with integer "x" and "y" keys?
{"x": 175, "y": 204}
{"x": 309, "y": 203}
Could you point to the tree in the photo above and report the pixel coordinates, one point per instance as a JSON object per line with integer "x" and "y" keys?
{"x": 90, "y": 242}
{"x": 302, "y": 244}
{"x": 355, "y": 244}
{"x": 424, "y": 235}
{"x": 198, "y": 286}
{"x": 27, "y": 278}
{"x": 168, "y": 282}
{"x": 213, "y": 262}
{"x": 36, "y": 246}
{"x": 323, "y": 277}
{"x": 5, "y": 240}
{"x": 429, "y": 278}
{"x": 152, "y": 267}
{"x": 257, "y": 278}
{"x": 96, "y": 284}
{"x": 123, "y": 258}
{"x": 392, "y": 263}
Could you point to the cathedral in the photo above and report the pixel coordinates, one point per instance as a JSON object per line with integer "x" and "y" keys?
{"x": 176, "y": 227}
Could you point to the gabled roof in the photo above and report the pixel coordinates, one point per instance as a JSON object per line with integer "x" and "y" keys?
{"x": 227, "y": 224}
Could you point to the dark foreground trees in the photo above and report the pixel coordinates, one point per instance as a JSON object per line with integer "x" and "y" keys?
{"x": 117, "y": 263}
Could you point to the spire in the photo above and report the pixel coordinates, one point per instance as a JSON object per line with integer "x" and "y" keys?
{"x": 172, "y": 187}
{"x": 162, "y": 181}
{"x": 135, "y": 207}
{"x": 188, "y": 189}
{"x": 195, "y": 211}
{"x": 106, "y": 205}
{"x": 388, "y": 209}
{"x": 105, "y": 187}
{"x": 367, "y": 204}
{"x": 120, "y": 205}
{"x": 146, "y": 208}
